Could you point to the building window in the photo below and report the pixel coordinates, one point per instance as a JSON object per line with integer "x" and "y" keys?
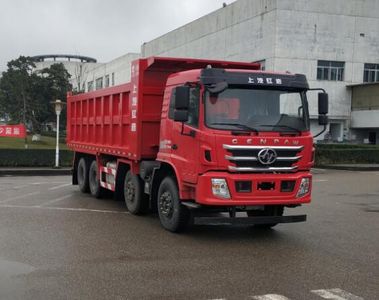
{"x": 262, "y": 63}
{"x": 99, "y": 83}
{"x": 90, "y": 86}
{"x": 330, "y": 70}
{"x": 106, "y": 84}
{"x": 371, "y": 73}
{"x": 112, "y": 79}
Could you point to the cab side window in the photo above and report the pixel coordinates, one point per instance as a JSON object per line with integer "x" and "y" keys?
{"x": 193, "y": 111}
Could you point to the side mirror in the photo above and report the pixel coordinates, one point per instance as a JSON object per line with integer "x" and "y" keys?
{"x": 323, "y": 109}
{"x": 180, "y": 115}
{"x": 323, "y": 103}
{"x": 323, "y": 120}
{"x": 182, "y": 97}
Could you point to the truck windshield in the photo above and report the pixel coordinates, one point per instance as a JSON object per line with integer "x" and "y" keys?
{"x": 256, "y": 110}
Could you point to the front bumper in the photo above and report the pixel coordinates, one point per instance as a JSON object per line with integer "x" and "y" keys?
{"x": 256, "y": 196}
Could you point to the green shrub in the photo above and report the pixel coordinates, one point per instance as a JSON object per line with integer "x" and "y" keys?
{"x": 324, "y": 155}
{"x": 346, "y": 156}
{"x": 346, "y": 146}
{"x": 34, "y": 158}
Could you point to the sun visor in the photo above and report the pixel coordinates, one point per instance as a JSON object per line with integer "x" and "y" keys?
{"x": 254, "y": 79}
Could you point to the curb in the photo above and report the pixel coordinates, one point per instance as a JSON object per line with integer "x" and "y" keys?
{"x": 34, "y": 172}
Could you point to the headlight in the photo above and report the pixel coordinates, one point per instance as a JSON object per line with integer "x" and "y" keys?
{"x": 220, "y": 188}
{"x": 304, "y": 187}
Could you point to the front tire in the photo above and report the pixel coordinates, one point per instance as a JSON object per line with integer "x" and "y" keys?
{"x": 136, "y": 201}
{"x": 94, "y": 182}
{"x": 173, "y": 216}
{"x": 268, "y": 211}
{"x": 82, "y": 174}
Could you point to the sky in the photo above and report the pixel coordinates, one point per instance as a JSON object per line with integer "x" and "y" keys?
{"x": 103, "y": 29}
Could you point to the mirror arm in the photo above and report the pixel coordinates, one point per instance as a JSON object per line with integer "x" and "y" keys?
{"x": 317, "y": 89}
{"x": 321, "y": 132}
{"x": 299, "y": 109}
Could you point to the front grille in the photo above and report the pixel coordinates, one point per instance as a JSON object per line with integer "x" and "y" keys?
{"x": 245, "y": 158}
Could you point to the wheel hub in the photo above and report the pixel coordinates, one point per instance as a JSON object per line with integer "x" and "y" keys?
{"x": 130, "y": 191}
{"x": 166, "y": 204}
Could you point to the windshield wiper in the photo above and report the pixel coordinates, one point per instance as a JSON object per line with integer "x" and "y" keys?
{"x": 242, "y": 126}
{"x": 282, "y": 126}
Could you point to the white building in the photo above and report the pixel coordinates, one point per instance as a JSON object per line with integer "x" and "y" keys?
{"x": 77, "y": 66}
{"x": 334, "y": 43}
{"x": 328, "y": 41}
{"x": 113, "y": 73}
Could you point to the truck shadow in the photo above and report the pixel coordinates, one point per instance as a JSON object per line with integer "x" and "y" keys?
{"x": 235, "y": 232}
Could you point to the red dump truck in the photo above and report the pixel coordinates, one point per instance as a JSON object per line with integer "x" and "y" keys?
{"x": 209, "y": 142}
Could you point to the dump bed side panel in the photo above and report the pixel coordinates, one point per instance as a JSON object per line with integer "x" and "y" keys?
{"x": 98, "y": 122}
{"x": 123, "y": 120}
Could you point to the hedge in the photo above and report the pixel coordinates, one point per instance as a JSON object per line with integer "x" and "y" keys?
{"x": 46, "y": 157}
{"x": 34, "y": 158}
{"x": 346, "y": 156}
{"x": 346, "y": 146}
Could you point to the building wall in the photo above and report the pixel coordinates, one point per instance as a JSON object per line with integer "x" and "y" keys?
{"x": 242, "y": 31}
{"x": 118, "y": 71}
{"x": 365, "y": 110}
{"x": 365, "y": 119}
{"x": 291, "y": 35}
{"x": 341, "y": 30}
{"x": 365, "y": 97}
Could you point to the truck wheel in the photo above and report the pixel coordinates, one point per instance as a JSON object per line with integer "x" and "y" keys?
{"x": 82, "y": 173}
{"x": 269, "y": 210}
{"x": 174, "y": 217}
{"x": 136, "y": 201}
{"x": 94, "y": 182}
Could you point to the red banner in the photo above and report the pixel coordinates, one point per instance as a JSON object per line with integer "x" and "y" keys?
{"x": 17, "y": 131}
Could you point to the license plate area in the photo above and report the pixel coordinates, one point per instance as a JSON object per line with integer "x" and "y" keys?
{"x": 266, "y": 186}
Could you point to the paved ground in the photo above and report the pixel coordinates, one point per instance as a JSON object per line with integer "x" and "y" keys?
{"x": 56, "y": 243}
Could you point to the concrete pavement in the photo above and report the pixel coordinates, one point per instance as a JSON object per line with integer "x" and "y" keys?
{"x": 56, "y": 243}
{"x": 34, "y": 171}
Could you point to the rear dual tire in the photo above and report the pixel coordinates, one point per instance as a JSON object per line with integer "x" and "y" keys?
{"x": 137, "y": 202}
{"x": 88, "y": 179}
{"x": 94, "y": 181}
{"x": 82, "y": 175}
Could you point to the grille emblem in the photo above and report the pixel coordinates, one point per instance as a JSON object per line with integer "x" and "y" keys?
{"x": 267, "y": 156}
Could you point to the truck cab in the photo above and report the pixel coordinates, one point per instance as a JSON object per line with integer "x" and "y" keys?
{"x": 238, "y": 139}
{"x": 190, "y": 137}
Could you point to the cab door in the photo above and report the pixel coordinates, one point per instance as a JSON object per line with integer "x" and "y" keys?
{"x": 185, "y": 139}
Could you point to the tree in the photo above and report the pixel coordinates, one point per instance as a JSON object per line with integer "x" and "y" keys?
{"x": 57, "y": 83}
{"x": 25, "y": 96}
{"x": 15, "y": 87}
